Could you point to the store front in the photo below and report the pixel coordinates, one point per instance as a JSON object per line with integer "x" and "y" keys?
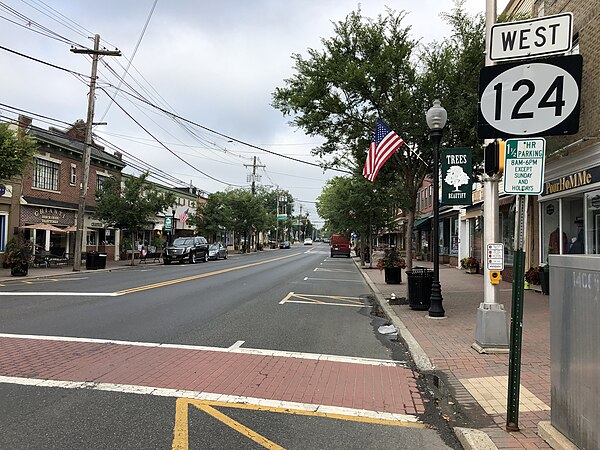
{"x": 100, "y": 238}
{"x": 570, "y": 213}
{"x": 59, "y": 243}
{"x": 449, "y": 239}
{"x": 421, "y": 239}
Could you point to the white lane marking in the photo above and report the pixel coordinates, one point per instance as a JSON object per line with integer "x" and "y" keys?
{"x": 199, "y": 395}
{"x": 55, "y": 294}
{"x": 237, "y": 345}
{"x": 247, "y": 351}
{"x": 320, "y": 269}
{"x": 146, "y": 270}
{"x": 333, "y": 279}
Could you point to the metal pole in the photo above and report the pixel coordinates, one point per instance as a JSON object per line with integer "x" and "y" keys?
{"x": 96, "y": 52}
{"x": 436, "y": 309}
{"x": 516, "y": 321}
{"x": 277, "y": 219}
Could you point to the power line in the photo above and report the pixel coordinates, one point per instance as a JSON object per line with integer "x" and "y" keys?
{"x": 43, "y": 62}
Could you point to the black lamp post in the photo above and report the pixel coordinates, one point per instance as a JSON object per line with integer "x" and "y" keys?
{"x": 436, "y": 120}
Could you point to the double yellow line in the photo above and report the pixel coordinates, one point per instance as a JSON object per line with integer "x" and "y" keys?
{"x": 201, "y": 275}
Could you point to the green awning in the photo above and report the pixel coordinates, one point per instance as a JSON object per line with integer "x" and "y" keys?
{"x": 422, "y": 224}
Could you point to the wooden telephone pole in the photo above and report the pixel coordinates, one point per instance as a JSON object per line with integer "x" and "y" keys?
{"x": 87, "y": 148}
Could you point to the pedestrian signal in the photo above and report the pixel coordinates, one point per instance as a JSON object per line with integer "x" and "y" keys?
{"x": 494, "y": 158}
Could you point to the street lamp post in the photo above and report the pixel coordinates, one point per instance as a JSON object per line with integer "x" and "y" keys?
{"x": 436, "y": 120}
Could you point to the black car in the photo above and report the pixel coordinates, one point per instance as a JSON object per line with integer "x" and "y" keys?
{"x": 285, "y": 244}
{"x": 217, "y": 251}
{"x": 189, "y": 249}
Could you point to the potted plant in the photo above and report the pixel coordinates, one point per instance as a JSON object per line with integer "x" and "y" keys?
{"x": 393, "y": 264}
{"x": 532, "y": 277}
{"x": 18, "y": 255}
{"x": 470, "y": 263}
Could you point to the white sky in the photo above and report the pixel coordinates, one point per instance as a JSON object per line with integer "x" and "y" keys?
{"x": 215, "y": 63}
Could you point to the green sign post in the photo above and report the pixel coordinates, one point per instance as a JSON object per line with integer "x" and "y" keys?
{"x": 282, "y": 217}
{"x": 457, "y": 176}
{"x": 168, "y": 224}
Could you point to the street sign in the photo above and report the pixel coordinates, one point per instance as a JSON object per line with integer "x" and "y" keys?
{"x": 495, "y": 256}
{"x": 282, "y": 217}
{"x": 537, "y": 98}
{"x": 530, "y": 38}
{"x": 168, "y": 224}
{"x": 457, "y": 176}
{"x": 524, "y": 166}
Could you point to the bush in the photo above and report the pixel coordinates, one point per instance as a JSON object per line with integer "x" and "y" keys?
{"x": 391, "y": 258}
{"x": 469, "y": 262}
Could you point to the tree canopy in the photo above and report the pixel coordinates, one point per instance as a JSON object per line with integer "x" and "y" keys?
{"x": 132, "y": 206}
{"x": 15, "y": 154}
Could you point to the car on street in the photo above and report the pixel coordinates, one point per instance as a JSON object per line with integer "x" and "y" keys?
{"x": 285, "y": 244}
{"x": 217, "y": 251}
{"x": 340, "y": 245}
{"x": 191, "y": 249}
{"x": 308, "y": 241}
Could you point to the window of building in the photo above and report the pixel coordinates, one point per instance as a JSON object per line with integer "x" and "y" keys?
{"x": 507, "y": 231}
{"x": 592, "y": 208}
{"x": 550, "y": 229}
{"x": 91, "y": 238}
{"x": 106, "y": 236}
{"x": 73, "y": 174}
{"x": 45, "y": 174}
{"x": 100, "y": 180}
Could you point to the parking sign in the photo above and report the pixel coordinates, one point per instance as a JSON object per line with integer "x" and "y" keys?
{"x": 524, "y": 166}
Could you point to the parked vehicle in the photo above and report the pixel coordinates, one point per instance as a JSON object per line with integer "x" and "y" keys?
{"x": 189, "y": 249}
{"x": 340, "y": 245}
{"x": 217, "y": 251}
{"x": 285, "y": 244}
{"x": 308, "y": 241}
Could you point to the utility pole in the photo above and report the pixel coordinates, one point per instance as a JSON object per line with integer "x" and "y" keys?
{"x": 87, "y": 148}
{"x": 254, "y": 176}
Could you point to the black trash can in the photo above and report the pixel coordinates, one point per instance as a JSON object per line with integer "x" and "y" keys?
{"x": 91, "y": 260}
{"x": 419, "y": 288}
{"x": 101, "y": 264}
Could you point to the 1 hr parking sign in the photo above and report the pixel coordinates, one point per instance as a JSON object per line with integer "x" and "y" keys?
{"x": 534, "y": 98}
{"x": 524, "y": 166}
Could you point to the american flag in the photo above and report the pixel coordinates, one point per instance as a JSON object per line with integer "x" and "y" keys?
{"x": 384, "y": 143}
{"x": 184, "y": 215}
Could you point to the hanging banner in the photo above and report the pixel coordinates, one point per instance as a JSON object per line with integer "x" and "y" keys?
{"x": 457, "y": 176}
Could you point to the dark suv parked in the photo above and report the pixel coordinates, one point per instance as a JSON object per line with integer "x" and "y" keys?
{"x": 189, "y": 249}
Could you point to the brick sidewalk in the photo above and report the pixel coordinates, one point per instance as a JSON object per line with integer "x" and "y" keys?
{"x": 377, "y": 386}
{"x": 478, "y": 381}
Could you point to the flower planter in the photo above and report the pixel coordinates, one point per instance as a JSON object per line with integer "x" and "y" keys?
{"x": 473, "y": 269}
{"x": 393, "y": 275}
{"x": 19, "y": 269}
{"x": 545, "y": 282}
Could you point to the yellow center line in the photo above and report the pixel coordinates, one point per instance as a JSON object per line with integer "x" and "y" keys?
{"x": 196, "y": 277}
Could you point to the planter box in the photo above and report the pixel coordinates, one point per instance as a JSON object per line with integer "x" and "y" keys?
{"x": 473, "y": 269}
{"x": 393, "y": 275}
{"x": 19, "y": 270}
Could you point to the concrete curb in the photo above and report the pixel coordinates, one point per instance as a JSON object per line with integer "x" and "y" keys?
{"x": 419, "y": 356}
{"x": 472, "y": 439}
{"x": 553, "y": 437}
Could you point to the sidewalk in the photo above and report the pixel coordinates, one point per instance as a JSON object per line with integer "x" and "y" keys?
{"x": 477, "y": 382}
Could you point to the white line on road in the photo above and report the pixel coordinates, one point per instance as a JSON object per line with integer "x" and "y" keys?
{"x": 198, "y": 395}
{"x": 248, "y": 351}
{"x": 237, "y": 345}
{"x": 332, "y": 279}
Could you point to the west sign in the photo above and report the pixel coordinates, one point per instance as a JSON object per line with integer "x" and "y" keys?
{"x": 531, "y": 38}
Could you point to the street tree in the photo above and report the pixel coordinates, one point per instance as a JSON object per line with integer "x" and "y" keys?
{"x": 131, "y": 206}
{"x": 372, "y": 68}
{"x": 16, "y": 152}
{"x": 213, "y": 217}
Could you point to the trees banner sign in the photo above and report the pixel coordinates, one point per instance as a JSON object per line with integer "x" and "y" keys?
{"x": 456, "y": 176}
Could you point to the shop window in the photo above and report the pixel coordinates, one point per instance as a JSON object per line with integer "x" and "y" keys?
{"x": 106, "y": 236}
{"x": 73, "y": 174}
{"x": 3, "y": 232}
{"x": 572, "y": 224}
{"x": 592, "y": 208}
{"x": 551, "y": 240}
{"x": 454, "y": 236}
{"x": 91, "y": 238}
{"x": 45, "y": 174}
{"x": 507, "y": 231}
{"x": 100, "y": 180}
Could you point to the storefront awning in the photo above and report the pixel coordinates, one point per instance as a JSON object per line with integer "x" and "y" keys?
{"x": 422, "y": 224}
{"x": 508, "y": 200}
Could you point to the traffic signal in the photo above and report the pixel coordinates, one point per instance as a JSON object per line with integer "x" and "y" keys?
{"x": 494, "y": 158}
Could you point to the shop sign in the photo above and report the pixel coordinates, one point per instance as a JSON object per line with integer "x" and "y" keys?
{"x": 457, "y": 176}
{"x": 572, "y": 181}
{"x": 50, "y": 215}
{"x": 168, "y": 224}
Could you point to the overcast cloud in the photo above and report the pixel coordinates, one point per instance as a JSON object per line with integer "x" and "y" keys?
{"x": 215, "y": 63}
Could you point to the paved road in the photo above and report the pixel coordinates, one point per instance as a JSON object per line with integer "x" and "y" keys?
{"x": 264, "y": 350}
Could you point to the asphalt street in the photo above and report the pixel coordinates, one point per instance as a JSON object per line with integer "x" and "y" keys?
{"x": 296, "y": 300}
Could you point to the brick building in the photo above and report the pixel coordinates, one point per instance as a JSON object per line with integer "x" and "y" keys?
{"x": 51, "y": 189}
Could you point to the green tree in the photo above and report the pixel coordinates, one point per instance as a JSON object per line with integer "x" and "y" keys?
{"x": 132, "y": 206}
{"x": 372, "y": 68}
{"x": 15, "y": 154}
{"x": 213, "y": 217}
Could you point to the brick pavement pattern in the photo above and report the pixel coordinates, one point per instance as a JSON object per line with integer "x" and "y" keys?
{"x": 448, "y": 345}
{"x": 376, "y": 387}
